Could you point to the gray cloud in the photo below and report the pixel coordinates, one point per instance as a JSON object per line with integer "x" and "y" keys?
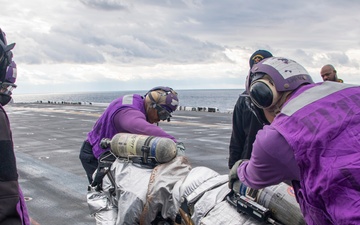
{"x": 81, "y": 44}
{"x": 194, "y": 37}
{"x": 58, "y": 47}
{"x": 106, "y": 4}
{"x": 190, "y": 30}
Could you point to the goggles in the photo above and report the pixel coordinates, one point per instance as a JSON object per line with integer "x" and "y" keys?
{"x": 162, "y": 113}
{"x": 7, "y": 88}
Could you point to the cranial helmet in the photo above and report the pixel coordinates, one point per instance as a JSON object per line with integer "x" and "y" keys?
{"x": 274, "y": 75}
{"x": 8, "y": 70}
{"x": 5, "y": 52}
{"x": 164, "y": 99}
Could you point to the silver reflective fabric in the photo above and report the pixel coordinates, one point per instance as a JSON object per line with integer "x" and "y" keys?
{"x": 131, "y": 188}
{"x": 208, "y": 201}
{"x": 225, "y": 214}
{"x": 141, "y": 193}
{"x": 163, "y": 179}
{"x": 101, "y": 207}
{"x": 106, "y": 217}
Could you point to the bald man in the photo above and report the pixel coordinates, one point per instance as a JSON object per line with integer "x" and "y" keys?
{"x": 328, "y": 73}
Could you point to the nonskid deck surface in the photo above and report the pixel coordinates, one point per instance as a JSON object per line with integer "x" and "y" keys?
{"x": 47, "y": 139}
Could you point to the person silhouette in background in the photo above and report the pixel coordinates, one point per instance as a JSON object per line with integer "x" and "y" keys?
{"x": 13, "y": 210}
{"x": 328, "y": 73}
{"x": 247, "y": 120}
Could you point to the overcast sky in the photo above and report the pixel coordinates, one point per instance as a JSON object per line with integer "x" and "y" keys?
{"x": 110, "y": 45}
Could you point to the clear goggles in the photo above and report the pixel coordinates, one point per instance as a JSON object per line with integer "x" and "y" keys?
{"x": 163, "y": 114}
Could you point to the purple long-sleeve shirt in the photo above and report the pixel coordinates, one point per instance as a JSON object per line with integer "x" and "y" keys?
{"x": 314, "y": 142}
{"x": 272, "y": 161}
{"x": 126, "y": 114}
{"x": 135, "y": 123}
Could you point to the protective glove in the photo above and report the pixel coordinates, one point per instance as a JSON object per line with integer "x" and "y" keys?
{"x": 236, "y": 186}
{"x": 233, "y": 176}
{"x": 180, "y": 148}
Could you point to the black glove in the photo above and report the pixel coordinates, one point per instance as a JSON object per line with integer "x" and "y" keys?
{"x": 233, "y": 176}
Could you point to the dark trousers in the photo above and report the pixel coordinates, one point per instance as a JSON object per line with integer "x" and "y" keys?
{"x": 88, "y": 160}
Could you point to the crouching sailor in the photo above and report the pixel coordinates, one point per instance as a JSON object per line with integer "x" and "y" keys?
{"x": 134, "y": 114}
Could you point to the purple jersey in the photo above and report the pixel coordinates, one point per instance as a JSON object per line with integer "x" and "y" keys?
{"x": 127, "y": 115}
{"x": 315, "y": 142}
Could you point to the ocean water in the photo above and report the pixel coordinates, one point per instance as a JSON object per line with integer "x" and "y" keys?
{"x": 222, "y": 99}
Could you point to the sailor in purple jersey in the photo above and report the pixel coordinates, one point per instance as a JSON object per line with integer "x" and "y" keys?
{"x": 133, "y": 114}
{"x": 313, "y": 141}
{"x": 13, "y": 209}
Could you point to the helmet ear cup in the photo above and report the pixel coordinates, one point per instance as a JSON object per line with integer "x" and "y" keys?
{"x": 263, "y": 93}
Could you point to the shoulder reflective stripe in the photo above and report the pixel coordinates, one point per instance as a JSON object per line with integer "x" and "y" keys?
{"x": 128, "y": 99}
{"x": 313, "y": 94}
